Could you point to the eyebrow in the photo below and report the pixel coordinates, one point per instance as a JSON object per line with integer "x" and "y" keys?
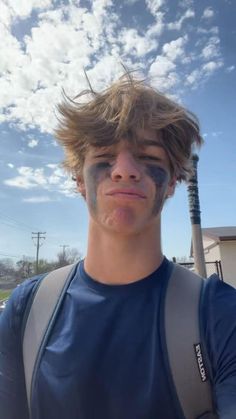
{"x": 148, "y": 142}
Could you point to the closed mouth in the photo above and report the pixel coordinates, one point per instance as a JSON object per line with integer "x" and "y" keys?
{"x": 127, "y": 193}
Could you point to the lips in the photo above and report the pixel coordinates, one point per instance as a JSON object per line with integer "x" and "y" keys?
{"x": 129, "y": 193}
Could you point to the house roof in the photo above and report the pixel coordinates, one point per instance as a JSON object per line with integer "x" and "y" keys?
{"x": 220, "y": 233}
{"x": 217, "y": 234}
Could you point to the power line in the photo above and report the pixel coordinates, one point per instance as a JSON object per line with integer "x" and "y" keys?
{"x": 12, "y": 222}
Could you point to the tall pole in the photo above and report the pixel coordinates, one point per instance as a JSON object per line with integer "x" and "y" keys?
{"x": 38, "y": 236}
{"x": 64, "y": 246}
{"x": 194, "y": 209}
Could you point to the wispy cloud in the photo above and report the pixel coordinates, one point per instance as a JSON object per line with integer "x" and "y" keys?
{"x": 177, "y": 25}
{"x": 33, "y": 143}
{"x": 208, "y": 13}
{"x": 11, "y": 165}
{"x": 211, "y": 49}
{"x": 51, "y": 179}
{"x": 92, "y": 37}
{"x": 230, "y": 69}
{"x": 38, "y": 199}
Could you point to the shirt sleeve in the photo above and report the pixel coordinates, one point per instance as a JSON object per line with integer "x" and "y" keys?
{"x": 221, "y": 337}
{"x": 13, "y": 400}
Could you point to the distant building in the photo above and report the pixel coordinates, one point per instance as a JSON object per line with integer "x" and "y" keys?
{"x": 219, "y": 244}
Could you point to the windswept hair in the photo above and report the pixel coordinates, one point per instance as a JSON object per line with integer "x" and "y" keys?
{"x": 119, "y": 111}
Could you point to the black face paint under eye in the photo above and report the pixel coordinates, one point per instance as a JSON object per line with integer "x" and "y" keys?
{"x": 161, "y": 178}
{"x": 95, "y": 174}
{"x": 158, "y": 174}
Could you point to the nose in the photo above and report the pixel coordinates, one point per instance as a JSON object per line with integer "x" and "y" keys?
{"x": 125, "y": 168}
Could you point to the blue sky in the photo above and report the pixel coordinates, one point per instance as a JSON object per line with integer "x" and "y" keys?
{"x": 186, "y": 48}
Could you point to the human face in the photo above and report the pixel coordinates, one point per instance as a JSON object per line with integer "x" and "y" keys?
{"x": 125, "y": 186}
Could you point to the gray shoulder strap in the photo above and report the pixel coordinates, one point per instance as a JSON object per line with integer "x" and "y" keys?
{"x": 181, "y": 320}
{"x": 39, "y": 317}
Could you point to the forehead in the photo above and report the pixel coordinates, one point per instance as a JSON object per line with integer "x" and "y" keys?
{"x": 136, "y": 139}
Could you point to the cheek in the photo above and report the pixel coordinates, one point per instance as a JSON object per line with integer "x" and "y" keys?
{"x": 94, "y": 175}
{"x": 161, "y": 179}
{"x": 158, "y": 175}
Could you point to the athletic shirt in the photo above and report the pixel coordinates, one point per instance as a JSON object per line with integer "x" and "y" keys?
{"x": 103, "y": 358}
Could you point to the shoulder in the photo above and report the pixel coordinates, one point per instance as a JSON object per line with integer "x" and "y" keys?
{"x": 220, "y": 299}
{"x": 219, "y": 308}
{"x": 12, "y": 316}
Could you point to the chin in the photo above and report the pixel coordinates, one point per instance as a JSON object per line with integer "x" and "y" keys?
{"x": 125, "y": 223}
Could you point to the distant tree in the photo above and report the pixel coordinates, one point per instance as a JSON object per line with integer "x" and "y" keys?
{"x": 25, "y": 268}
{"x": 45, "y": 266}
{"x": 73, "y": 255}
{"x": 7, "y": 268}
{"x": 67, "y": 257}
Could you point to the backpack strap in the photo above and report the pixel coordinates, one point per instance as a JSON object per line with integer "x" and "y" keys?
{"x": 41, "y": 316}
{"x": 183, "y": 344}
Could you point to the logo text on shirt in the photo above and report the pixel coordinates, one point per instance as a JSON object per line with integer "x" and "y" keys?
{"x": 200, "y": 363}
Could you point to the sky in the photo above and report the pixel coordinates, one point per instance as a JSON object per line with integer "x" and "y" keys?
{"x": 185, "y": 48}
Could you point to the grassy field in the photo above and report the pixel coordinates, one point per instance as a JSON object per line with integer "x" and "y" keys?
{"x": 4, "y": 294}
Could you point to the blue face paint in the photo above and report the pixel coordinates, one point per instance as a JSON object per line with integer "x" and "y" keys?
{"x": 100, "y": 171}
{"x": 161, "y": 178}
{"x": 95, "y": 174}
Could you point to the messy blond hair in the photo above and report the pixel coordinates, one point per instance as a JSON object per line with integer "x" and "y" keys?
{"x": 118, "y": 111}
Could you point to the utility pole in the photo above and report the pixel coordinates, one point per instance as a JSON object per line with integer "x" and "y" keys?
{"x": 38, "y": 236}
{"x": 194, "y": 209}
{"x": 64, "y": 246}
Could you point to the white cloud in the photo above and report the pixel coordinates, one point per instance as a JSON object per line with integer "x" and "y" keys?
{"x": 54, "y": 181}
{"x": 33, "y": 143}
{"x": 165, "y": 83}
{"x": 5, "y": 14}
{"x": 23, "y": 8}
{"x": 20, "y": 182}
{"x": 193, "y": 78}
{"x": 175, "y": 48}
{"x": 199, "y": 76}
{"x": 230, "y": 69}
{"x": 52, "y": 166}
{"x": 34, "y": 70}
{"x": 216, "y": 134}
{"x": 214, "y": 30}
{"x": 161, "y": 67}
{"x": 177, "y": 25}
{"x": 208, "y": 13}
{"x": 135, "y": 44}
{"x": 131, "y": 2}
{"x": 211, "y": 49}
{"x": 157, "y": 28}
{"x": 211, "y": 67}
{"x": 154, "y": 5}
{"x": 162, "y": 70}
{"x": 186, "y": 3}
{"x": 11, "y": 165}
{"x": 38, "y": 199}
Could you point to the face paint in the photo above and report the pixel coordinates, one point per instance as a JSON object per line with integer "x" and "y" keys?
{"x": 161, "y": 178}
{"x": 95, "y": 174}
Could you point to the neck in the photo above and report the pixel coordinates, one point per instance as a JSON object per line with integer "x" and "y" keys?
{"x": 115, "y": 259}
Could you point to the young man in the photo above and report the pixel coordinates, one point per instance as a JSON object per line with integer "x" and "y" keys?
{"x": 127, "y": 148}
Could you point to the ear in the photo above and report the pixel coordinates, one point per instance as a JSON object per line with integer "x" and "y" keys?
{"x": 171, "y": 187}
{"x": 81, "y": 186}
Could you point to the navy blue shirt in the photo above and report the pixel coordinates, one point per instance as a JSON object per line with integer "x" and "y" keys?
{"x": 104, "y": 357}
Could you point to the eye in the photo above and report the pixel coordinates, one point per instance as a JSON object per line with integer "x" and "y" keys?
{"x": 146, "y": 157}
{"x": 105, "y": 156}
